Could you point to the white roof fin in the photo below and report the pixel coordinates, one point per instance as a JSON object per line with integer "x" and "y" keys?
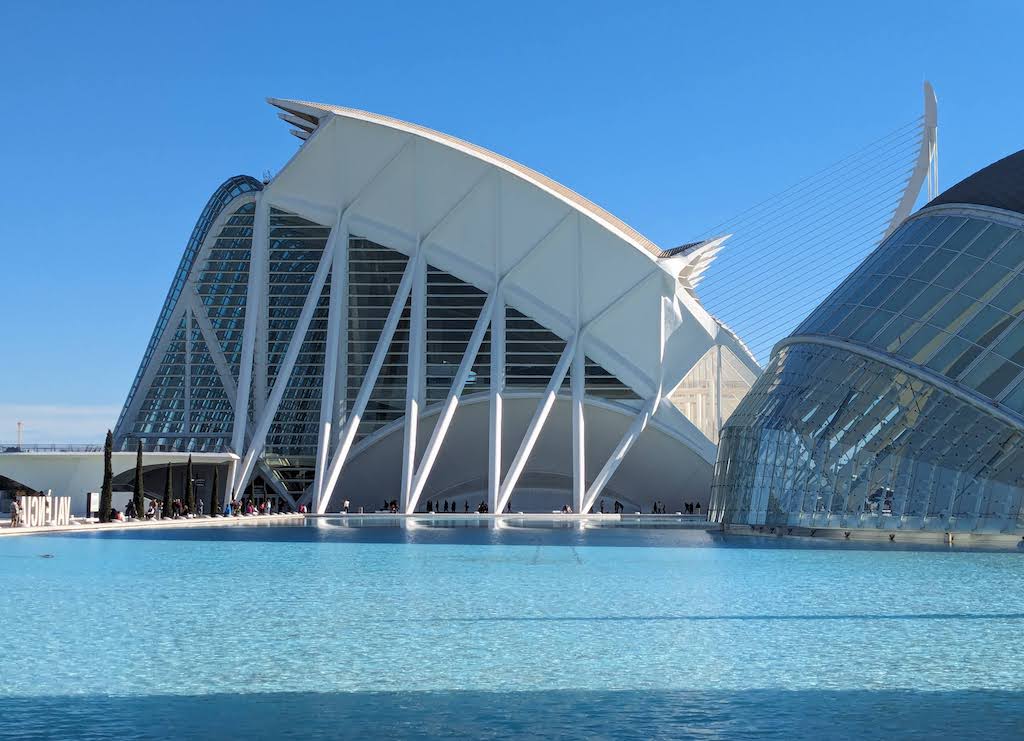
{"x": 690, "y": 261}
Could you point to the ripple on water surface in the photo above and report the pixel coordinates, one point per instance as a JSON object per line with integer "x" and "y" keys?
{"x": 518, "y": 631}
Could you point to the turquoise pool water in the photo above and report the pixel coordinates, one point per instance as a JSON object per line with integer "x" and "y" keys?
{"x": 531, "y": 631}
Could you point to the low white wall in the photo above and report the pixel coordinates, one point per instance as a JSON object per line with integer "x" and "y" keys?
{"x": 75, "y": 474}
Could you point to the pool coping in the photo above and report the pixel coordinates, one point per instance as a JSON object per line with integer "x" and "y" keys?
{"x": 205, "y": 521}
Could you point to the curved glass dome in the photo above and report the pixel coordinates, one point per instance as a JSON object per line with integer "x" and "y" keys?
{"x": 899, "y": 402}
{"x": 945, "y": 292}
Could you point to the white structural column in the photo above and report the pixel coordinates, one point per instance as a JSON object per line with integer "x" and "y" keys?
{"x": 577, "y": 383}
{"x": 640, "y": 421}
{"x": 369, "y": 380}
{"x": 451, "y": 403}
{"x": 414, "y": 384}
{"x": 497, "y": 393}
{"x": 262, "y": 228}
{"x": 632, "y": 434}
{"x": 340, "y": 274}
{"x": 253, "y": 300}
{"x": 718, "y": 393}
{"x": 579, "y": 460}
{"x": 337, "y": 313}
{"x": 540, "y": 416}
{"x": 226, "y": 496}
{"x": 262, "y": 344}
{"x": 266, "y": 417}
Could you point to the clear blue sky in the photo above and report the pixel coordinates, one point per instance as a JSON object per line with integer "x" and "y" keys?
{"x": 119, "y": 120}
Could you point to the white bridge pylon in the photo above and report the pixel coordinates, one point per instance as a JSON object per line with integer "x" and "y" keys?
{"x": 526, "y": 242}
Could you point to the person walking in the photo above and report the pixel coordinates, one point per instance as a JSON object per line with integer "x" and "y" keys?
{"x": 15, "y": 512}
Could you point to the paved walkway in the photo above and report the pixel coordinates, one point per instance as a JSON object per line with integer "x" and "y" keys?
{"x": 82, "y": 526}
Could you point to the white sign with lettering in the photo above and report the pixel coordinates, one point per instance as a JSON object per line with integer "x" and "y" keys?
{"x": 41, "y": 511}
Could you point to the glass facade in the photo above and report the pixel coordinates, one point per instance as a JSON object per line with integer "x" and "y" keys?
{"x": 201, "y": 420}
{"x": 712, "y": 390}
{"x": 452, "y": 308}
{"x": 296, "y": 247}
{"x": 946, "y": 293}
{"x": 899, "y": 402}
{"x": 228, "y": 191}
{"x": 186, "y": 405}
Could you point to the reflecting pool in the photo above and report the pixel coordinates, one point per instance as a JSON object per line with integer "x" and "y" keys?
{"x": 531, "y": 630}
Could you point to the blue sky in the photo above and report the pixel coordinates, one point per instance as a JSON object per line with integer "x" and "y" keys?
{"x": 121, "y": 118}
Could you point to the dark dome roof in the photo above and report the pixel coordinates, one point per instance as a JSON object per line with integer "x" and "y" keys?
{"x": 1000, "y": 185}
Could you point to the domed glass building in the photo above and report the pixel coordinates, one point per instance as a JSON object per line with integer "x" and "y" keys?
{"x": 899, "y": 402}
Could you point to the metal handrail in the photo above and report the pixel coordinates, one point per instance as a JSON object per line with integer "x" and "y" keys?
{"x": 50, "y": 448}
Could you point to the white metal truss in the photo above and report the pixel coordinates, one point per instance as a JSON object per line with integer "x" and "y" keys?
{"x": 602, "y": 279}
{"x": 202, "y": 321}
{"x": 255, "y": 317}
{"x": 254, "y": 298}
{"x": 359, "y": 406}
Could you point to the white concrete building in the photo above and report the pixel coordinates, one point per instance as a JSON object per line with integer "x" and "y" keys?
{"x": 75, "y": 471}
{"x": 402, "y": 315}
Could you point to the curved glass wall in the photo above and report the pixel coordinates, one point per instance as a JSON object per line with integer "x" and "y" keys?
{"x": 188, "y": 401}
{"x": 228, "y": 191}
{"x": 946, "y": 293}
{"x": 830, "y": 438}
{"x": 202, "y": 420}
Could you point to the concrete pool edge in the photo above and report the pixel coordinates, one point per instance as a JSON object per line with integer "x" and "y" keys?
{"x": 84, "y": 527}
{"x": 684, "y": 521}
{"x": 955, "y": 541}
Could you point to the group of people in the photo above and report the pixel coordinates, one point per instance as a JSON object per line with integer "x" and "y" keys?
{"x": 181, "y": 510}
{"x": 155, "y": 511}
{"x": 438, "y": 507}
{"x": 689, "y": 508}
{"x": 250, "y": 507}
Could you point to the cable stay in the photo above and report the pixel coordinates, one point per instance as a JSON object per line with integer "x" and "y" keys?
{"x": 790, "y": 251}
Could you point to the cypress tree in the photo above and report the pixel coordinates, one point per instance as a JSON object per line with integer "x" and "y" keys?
{"x": 167, "y": 510}
{"x": 214, "y": 494}
{"x": 190, "y": 494}
{"x": 140, "y": 499}
{"x": 107, "y": 492}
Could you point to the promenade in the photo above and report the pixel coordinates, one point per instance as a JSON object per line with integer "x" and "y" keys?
{"x": 81, "y": 526}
